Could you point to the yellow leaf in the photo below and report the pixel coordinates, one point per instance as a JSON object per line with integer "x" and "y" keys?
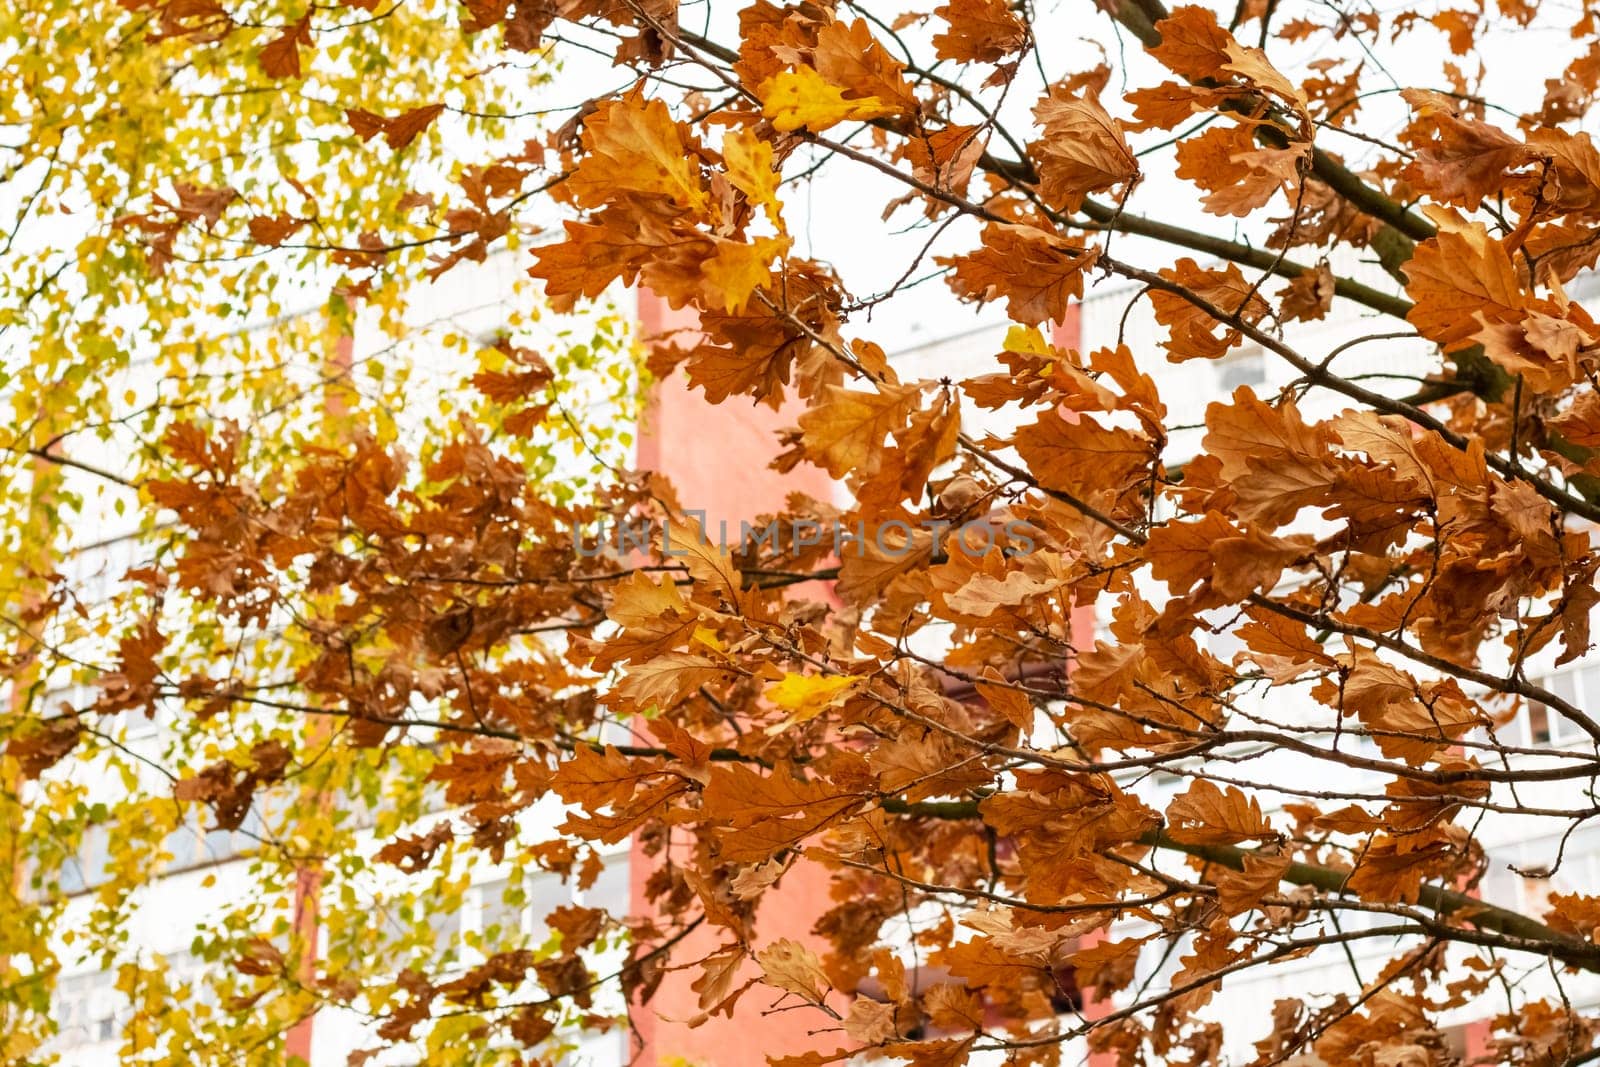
{"x": 805, "y": 696}
{"x": 1026, "y": 340}
{"x": 739, "y": 269}
{"x": 704, "y": 635}
{"x": 801, "y": 97}
{"x": 750, "y": 170}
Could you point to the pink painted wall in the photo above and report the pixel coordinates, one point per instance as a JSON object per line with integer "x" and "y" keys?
{"x": 716, "y": 456}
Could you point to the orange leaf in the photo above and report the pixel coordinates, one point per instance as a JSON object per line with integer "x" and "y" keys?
{"x": 1239, "y": 891}
{"x": 1094, "y": 463}
{"x": 846, "y": 430}
{"x": 980, "y": 31}
{"x": 1082, "y": 151}
{"x": 1238, "y": 175}
{"x": 633, "y": 146}
{"x": 365, "y": 124}
{"x": 1271, "y": 459}
{"x": 41, "y": 747}
{"x": 404, "y": 127}
{"x": 274, "y": 229}
{"x": 1193, "y": 45}
{"x": 1460, "y": 161}
{"x": 398, "y": 131}
{"x": 1461, "y": 280}
{"x": 281, "y": 58}
{"x": 1015, "y": 705}
{"x": 1208, "y": 814}
{"x": 598, "y": 779}
{"x": 849, "y": 56}
{"x": 1194, "y": 328}
{"x": 1037, "y": 272}
{"x": 791, "y": 966}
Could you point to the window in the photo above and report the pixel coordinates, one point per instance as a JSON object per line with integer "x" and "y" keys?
{"x": 610, "y": 891}
{"x": 500, "y": 910}
{"x": 1538, "y": 724}
{"x": 1577, "y": 686}
{"x": 88, "y": 868}
{"x": 509, "y": 907}
{"x": 1522, "y": 874}
{"x": 598, "y": 1050}
{"x": 186, "y": 969}
{"x": 191, "y": 844}
{"x": 1246, "y": 366}
{"x": 446, "y": 927}
{"x": 86, "y": 1009}
{"x": 546, "y": 893}
{"x": 1166, "y": 780}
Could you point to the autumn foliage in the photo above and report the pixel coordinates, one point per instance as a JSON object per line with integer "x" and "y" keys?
{"x": 1085, "y": 723}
